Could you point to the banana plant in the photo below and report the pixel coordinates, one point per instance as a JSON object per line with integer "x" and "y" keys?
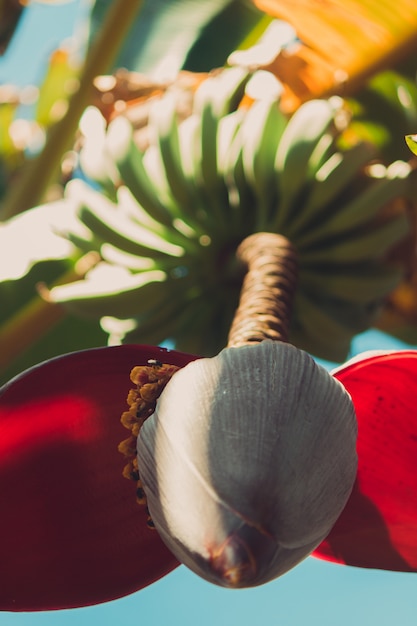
{"x": 57, "y": 420}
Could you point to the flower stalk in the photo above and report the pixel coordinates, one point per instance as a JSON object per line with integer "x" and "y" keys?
{"x": 265, "y": 305}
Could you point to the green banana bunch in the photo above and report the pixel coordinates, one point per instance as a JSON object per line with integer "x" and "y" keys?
{"x": 169, "y": 219}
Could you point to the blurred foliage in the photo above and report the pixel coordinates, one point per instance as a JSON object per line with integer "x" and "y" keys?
{"x": 169, "y": 35}
{"x": 342, "y": 43}
{"x": 22, "y": 136}
{"x": 33, "y": 256}
{"x": 67, "y": 334}
{"x": 362, "y": 50}
{"x": 385, "y": 110}
{"x": 39, "y": 173}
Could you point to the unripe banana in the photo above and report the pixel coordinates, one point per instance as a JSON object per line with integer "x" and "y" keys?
{"x": 298, "y": 142}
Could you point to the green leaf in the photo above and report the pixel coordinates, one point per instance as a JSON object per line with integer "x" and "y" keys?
{"x": 170, "y": 35}
{"x": 411, "y": 141}
{"x": 68, "y": 335}
{"x": 31, "y": 252}
{"x": 223, "y": 34}
{"x": 386, "y": 111}
{"x": 57, "y": 87}
{"x": 32, "y": 237}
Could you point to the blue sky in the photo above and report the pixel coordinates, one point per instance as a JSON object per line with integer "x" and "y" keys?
{"x": 40, "y": 31}
{"x": 315, "y": 593}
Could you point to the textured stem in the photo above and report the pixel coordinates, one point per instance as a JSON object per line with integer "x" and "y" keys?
{"x": 268, "y": 288}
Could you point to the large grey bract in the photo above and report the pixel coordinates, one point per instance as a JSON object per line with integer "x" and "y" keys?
{"x": 248, "y": 461}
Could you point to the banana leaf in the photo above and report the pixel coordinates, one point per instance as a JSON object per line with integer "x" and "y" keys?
{"x": 169, "y": 35}
{"x": 32, "y": 329}
{"x": 384, "y": 112}
{"x": 343, "y": 43}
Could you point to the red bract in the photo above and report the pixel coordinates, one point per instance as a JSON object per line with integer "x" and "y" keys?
{"x": 71, "y": 532}
{"x": 378, "y": 527}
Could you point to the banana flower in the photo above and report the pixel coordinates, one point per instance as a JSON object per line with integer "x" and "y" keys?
{"x": 71, "y": 531}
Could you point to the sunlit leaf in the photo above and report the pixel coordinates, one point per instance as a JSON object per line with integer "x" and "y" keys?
{"x": 32, "y": 237}
{"x": 31, "y": 252}
{"x": 412, "y": 143}
{"x": 343, "y": 43}
{"x": 9, "y": 101}
{"x": 59, "y": 84}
